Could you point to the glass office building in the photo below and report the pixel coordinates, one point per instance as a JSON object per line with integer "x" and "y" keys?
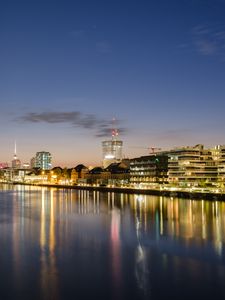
{"x": 43, "y": 160}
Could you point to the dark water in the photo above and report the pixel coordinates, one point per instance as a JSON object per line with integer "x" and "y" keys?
{"x": 63, "y": 244}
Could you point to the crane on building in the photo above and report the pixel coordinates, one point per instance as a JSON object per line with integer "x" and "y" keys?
{"x": 152, "y": 150}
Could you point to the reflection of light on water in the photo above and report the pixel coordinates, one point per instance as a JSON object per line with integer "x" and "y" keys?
{"x": 161, "y": 215}
{"x": 217, "y": 231}
{"x": 52, "y": 226}
{"x": 204, "y": 235}
{"x": 42, "y": 233}
{"x": 113, "y": 200}
{"x": 115, "y": 226}
{"x": 48, "y": 273}
{"x": 16, "y": 240}
{"x": 187, "y": 219}
{"x": 141, "y": 268}
{"x": 116, "y": 256}
{"x": 87, "y": 203}
{"x": 139, "y": 198}
{"x": 94, "y": 202}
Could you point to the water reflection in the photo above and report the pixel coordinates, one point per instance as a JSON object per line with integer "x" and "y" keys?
{"x": 59, "y": 242}
{"x": 48, "y": 269}
{"x": 115, "y": 248}
{"x": 180, "y": 218}
{"x": 141, "y": 267}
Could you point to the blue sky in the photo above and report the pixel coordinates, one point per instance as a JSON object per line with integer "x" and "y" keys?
{"x": 68, "y": 67}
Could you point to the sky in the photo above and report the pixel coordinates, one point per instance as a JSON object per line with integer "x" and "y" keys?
{"x": 67, "y": 68}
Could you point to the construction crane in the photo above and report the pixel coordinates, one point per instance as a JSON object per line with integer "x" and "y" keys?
{"x": 150, "y": 149}
{"x": 154, "y": 148}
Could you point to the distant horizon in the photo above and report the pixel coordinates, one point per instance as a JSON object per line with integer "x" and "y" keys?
{"x": 94, "y": 164}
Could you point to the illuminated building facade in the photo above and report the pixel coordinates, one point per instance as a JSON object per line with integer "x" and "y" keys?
{"x": 219, "y": 154}
{"x": 43, "y": 160}
{"x": 3, "y": 165}
{"x": 79, "y": 173}
{"x": 149, "y": 170}
{"x": 192, "y": 166}
{"x": 116, "y": 174}
{"x": 112, "y": 150}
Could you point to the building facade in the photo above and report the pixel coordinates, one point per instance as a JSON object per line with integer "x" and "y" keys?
{"x": 219, "y": 156}
{"x": 112, "y": 152}
{"x": 43, "y": 160}
{"x": 116, "y": 174}
{"x": 16, "y": 163}
{"x": 192, "y": 166}
{"x": 145, "y": 171}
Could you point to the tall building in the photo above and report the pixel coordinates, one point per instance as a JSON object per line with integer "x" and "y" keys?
{"x": 112, "y": 150}
{"x": 16, "y": 163}
{"x": 43, "y": 160}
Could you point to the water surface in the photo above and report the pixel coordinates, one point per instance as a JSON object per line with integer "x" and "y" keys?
{"x": 69, "y": 244}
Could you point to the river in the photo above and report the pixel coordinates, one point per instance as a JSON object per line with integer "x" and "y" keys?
{"x": 74, "y": 244}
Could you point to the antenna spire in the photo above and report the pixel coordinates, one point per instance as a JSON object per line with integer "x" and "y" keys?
{"x": 15, "y": 155}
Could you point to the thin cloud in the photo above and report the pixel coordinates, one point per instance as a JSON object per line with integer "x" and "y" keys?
{"x": 106, "y": 132}
{"x": 209, "y": 40}
{"x": 206, "y": 47}
{"x": 100, "y": 127}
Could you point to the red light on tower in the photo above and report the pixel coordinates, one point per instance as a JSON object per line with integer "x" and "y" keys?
{"x": 114, "y": 130}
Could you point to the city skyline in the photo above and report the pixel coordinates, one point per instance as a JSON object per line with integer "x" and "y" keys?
{"x": 65, "y": 73}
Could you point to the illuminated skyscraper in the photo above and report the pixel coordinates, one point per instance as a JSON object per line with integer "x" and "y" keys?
{"x": 112, "y": 149}
{"x": 43, "y": 160}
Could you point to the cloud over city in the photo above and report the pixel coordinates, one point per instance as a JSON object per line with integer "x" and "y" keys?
{"x": 77, "y": 119}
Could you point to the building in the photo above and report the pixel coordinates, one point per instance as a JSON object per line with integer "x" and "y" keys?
{"x": 43, "y": 160}
{"x": 78, "y": 174}
{"x": 119, "y": 173}
{"x": 26, "y": 166}
{"x": 112, "y": 150}
{"x": 150, "y": 170}
{"x": 19, "y": 174}
{"x": 16, "y": 163}
{"x": 33, "y": 162}
{"x": 192, "y": 166}
{"x": 219, "y": 157}
{"x": 3, "y": 165}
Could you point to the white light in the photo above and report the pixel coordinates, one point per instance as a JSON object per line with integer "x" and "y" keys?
{"x": 109, "y": 156}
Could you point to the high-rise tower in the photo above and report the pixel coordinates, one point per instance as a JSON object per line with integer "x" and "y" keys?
{"x": 43, "y": 160}
{"x": 112, "y": 149}
{"x": 16, "y": 163}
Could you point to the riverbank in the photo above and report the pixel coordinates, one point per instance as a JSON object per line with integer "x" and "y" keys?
{"x": 125, "y": 190}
